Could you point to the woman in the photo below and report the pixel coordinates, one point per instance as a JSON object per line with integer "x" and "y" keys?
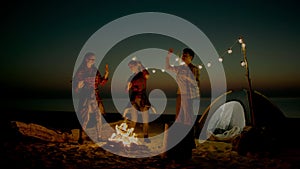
{"x": 86, "y": 82}
{"x": 136, "y": 87}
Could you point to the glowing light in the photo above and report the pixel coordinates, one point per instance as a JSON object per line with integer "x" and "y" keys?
{"x": 240, "y": 40}
{"x": 208, "y": 64}
{"x": 220, "y": 59}
{"x": 146, "y": 68}
{"x": 243, "y": 63}
{"x": 133, "y": 58}
{"x": 200, "y": 66}
{"x": 229, "y": 51}
{"x": 177, "y": 59}
{"x": 163, "y": 70}
{"x": 172, "y": 65}
{"x": 181, "y": 63}
{"x": 153, "y": 71}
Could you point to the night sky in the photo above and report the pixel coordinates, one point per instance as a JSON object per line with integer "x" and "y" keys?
{"x": 42, "y": 40}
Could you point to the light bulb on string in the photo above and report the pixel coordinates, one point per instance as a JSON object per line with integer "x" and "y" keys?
{"x": 229, "y": 51}
{"x": 240, "y": 40}
{"x": 153, "y": 71}
{"x": 177, "y": 59}
{"x": 200, "y": 66}
{"x": 163, "y": 70}
{"x": 220, "y": 59}
{"x": 208, "y": 64}
{"x": 172, "y": 65}
{"x": 146, "y": 68}
{"x": 133, "y": 58}
{"x": 243, "y": 63}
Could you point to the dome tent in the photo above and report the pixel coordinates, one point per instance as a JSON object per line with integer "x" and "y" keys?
{"x": 227, "y": 116}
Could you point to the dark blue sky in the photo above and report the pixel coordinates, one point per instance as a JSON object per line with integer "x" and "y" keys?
{"x": 41, "y": 41}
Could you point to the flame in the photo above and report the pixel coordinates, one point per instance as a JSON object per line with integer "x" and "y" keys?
{"x": 124, "y": 134}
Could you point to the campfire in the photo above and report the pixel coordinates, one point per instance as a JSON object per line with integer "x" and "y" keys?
{"x": 124, "y": 135}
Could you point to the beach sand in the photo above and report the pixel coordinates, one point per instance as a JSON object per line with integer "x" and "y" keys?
{"x": 29, "y": 152}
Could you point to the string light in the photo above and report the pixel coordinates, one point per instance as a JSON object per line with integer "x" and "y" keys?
{"x": 133, "y": 58}
{"x": 220, "y": 59}
{"x": 229, "y": 51}
{"x": 243, "y": 63}
{"x": 153, "y": 71}
{"x": 240, "y": 40}
{"x": 208, "y": 64}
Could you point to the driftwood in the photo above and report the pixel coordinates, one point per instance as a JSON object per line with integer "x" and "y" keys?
{"x": 43, "y": 133}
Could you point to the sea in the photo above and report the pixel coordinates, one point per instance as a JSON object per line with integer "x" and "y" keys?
{"x": 290, "y": 107}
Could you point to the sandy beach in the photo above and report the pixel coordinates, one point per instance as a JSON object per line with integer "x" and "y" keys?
{"x": 29, "y": 152}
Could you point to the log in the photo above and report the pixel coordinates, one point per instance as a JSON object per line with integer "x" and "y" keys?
{"x": 43, "y": 133}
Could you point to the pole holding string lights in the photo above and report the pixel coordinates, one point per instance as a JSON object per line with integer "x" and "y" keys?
{"x": 245, "y": 64}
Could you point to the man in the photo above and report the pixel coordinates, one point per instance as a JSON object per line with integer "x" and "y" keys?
{"x": 187, "y": 77}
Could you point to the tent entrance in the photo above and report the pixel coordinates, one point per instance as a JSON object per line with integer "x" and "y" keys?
{"x": 226, "y": 122}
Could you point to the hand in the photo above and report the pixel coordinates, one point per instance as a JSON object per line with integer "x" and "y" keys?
{"x": 106, "y": 68}
{"x": 80, "y": 84}
{"x": 106, "y": 71}
{"x": 170, "y": 52}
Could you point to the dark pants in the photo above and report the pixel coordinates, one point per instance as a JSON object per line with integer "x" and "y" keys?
{"x": 182, "y": 150}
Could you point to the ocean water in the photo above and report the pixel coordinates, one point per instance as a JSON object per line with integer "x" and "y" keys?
{"x": 289, "y": 106}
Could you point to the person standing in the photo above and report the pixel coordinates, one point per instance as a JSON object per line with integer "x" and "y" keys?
{"x": 187, "y": 77}
{"x": 86, "y": 84}
{"x": 139, "y": 102}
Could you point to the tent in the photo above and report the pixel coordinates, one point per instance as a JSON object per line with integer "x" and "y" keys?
{"x": 228, "y": 115}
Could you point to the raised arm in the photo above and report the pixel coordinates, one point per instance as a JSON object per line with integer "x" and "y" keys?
{"x": 106, "y": 72}
{"x": 102, "y": 80}
{"x": 168, "y": 66}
